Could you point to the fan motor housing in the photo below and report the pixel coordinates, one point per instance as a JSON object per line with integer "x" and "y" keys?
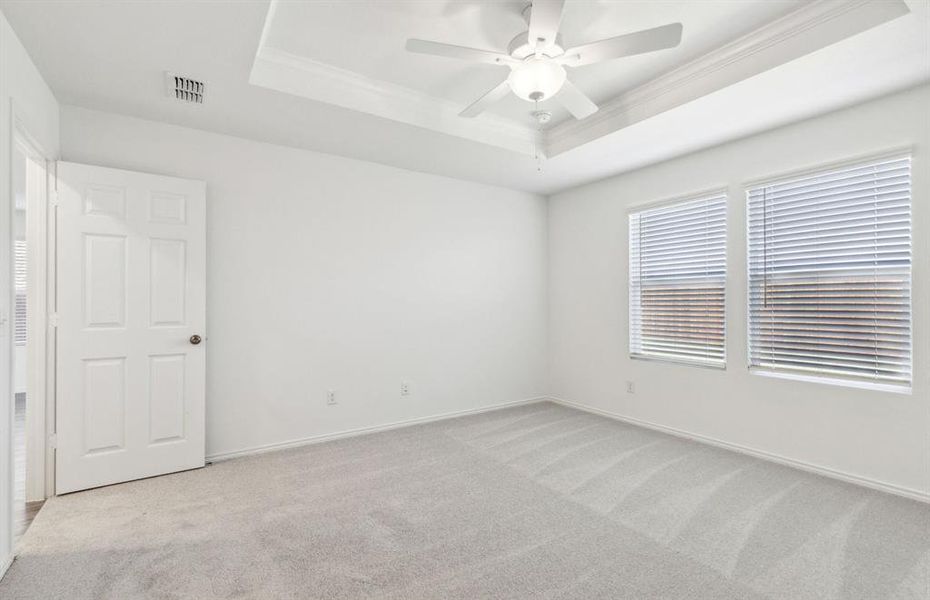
{"x": 520, "y": 48}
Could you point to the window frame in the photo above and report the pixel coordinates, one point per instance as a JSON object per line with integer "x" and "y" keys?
{"x": 830, "y": 379}
{"x": 639, "y": 207}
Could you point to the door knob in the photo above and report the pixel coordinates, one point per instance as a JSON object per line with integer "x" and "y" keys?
{"x": 195, "y": 339}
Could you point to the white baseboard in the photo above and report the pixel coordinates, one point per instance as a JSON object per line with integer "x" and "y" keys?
{"x": 782, "y": 460}
{"x": 326, "y": 437}
{"x": 761, "y": 454}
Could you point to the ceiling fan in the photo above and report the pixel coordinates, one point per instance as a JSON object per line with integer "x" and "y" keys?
{"x": 537, "y": 59}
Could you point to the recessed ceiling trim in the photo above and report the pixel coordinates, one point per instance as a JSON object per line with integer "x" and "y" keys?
{"x": 810, "y": 28}
{"x": 285, "y": 72}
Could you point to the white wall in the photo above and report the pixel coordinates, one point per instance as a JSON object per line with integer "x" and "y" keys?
{"x": 882, "y": 437}
{"x": 23, "y": 91}
{"x": 331, "y": 273}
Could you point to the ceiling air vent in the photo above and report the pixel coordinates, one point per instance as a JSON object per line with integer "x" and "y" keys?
{"x": 184, "y": 89}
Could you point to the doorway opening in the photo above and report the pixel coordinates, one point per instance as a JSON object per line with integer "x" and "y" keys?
{"x": 30, "y": 186}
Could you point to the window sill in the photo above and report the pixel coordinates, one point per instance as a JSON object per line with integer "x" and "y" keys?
{"x": 680, "y": 361}
{"x": 835, "y": 381}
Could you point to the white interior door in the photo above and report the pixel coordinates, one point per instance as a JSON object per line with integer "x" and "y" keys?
{"x": 131, "y": 317}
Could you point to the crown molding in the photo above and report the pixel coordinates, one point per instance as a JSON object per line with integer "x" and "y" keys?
{"x": 285, "y": 72}
{"x": 801, "y": 32}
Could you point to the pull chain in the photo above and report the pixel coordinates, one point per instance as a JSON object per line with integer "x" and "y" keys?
{"x": 539, "y": 122}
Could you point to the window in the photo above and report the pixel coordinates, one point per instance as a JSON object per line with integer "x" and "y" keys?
{"x": 678, "y": 280}
{"x": 19, "y": 284}
{"x": 830, "y": 273}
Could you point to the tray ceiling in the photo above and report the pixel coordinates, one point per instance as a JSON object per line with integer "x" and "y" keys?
{"x": 353, "y": 55}
{"x": 370, "y": 41}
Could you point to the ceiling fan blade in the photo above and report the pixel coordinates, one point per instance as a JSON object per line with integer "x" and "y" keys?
{"x": 545, "y": 16}
{"x": 460, "y": 52}
{"x": 647, "y": 40}
{"x": 575, "y": 101}
{"x": 478, "y": 106}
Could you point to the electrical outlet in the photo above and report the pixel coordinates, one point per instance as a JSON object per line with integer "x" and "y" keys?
{"x": 404, "y": 388}
{"x": 630, "y": 388}
{"x": 331, "y": 397}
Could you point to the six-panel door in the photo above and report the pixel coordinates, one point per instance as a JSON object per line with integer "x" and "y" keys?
{"x": 131, "y": 293}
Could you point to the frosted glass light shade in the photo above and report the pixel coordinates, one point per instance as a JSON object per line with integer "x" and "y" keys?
{"x": 537, "y": 78}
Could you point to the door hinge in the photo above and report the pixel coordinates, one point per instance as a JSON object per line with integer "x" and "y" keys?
{"x": 53, "y": 320}
{"x": 53, "y": 197}
{"x": 53, "y": 441}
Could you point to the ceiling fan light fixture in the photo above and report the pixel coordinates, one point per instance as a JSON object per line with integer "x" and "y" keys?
{"x": 537, "y": 59}
{"x": 536, "y": 78}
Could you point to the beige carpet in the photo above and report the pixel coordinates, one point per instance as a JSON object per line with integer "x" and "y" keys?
{"x": 536, "y": 502}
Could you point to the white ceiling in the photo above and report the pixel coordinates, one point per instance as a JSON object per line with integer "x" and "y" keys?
{"x": 112, "y": 55}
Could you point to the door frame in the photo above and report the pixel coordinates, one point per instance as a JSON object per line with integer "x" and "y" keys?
{"x": 40, "y": 376}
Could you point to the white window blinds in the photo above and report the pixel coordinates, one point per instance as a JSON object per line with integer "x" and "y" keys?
{"x": 830, "y": 272}
{"x": 678, "y": 281}
{"x": 19, "y": 285}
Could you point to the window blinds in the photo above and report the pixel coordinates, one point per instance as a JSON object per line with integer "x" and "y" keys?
{"x": 19, "y": 285}
{"x": 830, "y": 271}
{"x": 678, "y": 280}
